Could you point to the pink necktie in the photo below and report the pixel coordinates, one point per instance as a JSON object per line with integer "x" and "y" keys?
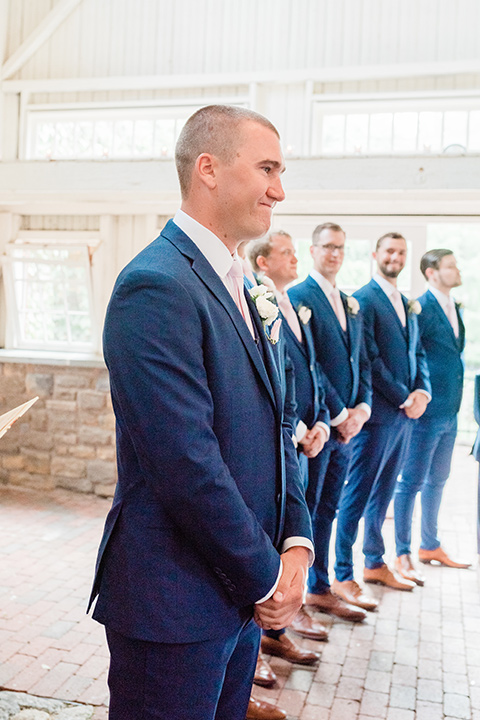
{"x": 291, "y": 316}
{"x": 236, "y": 288}
{"x": 337, "y": 305}
{"x": 452, "y": 316}
{"x": 397, "y": 303}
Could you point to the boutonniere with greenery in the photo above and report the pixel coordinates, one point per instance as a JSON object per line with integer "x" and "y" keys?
{"x": 304, "y": 313}
{"x": 459, "y": 305}
{"x": 353, "y": 306}
{"x": 268, "y": 311}
{"x": 414, "y": 307}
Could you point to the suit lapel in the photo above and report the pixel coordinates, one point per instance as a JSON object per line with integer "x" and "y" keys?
{"x": 461, "y": 330}
{"x": 389, "y": 306}
{"x": 329, "y": 309}
{"x": 442, "y": 317}
{"x": 288, "y": 331}
{"x": 215, "y": 286}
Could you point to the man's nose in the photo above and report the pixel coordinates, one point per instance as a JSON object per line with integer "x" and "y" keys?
{"x": 276, "y": 190}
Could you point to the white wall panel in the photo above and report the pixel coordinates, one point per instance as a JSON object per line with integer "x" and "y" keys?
{"x": 136, "y": 37}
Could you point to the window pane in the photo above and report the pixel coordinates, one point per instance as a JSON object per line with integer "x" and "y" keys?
{"x": 103, "y": 138}
{"x": 356, "y": 268}
{"x": 455, "y": 129}
{"x": 84, "y": 140}
{"x": 123, "y": 139}
{"x": 430, "y": 132}
{"x": 44, "y": 141}
{"x": 474, "y": 131}
{"x": 333, "y": 132}
{"x": 65, "y": 140}
{"x": 32, "y": 325}
{"x": 356, "y": 136}
{"x": 164, "y": 138}
{"x": 143, "y": 138}
{"x": 380, "y": 140}
{"x": 405, "y": 131}
{"x": 80, "y": 328}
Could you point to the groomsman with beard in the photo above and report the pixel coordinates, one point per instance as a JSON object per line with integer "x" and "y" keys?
{"x": 428, "y": 461}
{"x": 337, "y": 329}
{"x": 401, "y": 391}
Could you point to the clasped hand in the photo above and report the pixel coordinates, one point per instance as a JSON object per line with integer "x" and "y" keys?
{"x": 352, "y": 425}
{"x": 415, "y": 405}
{"x": 313, "y": 441}
{"x": 279, "y": 611}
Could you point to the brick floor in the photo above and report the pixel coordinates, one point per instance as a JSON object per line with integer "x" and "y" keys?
{"x": 416, "y": 658}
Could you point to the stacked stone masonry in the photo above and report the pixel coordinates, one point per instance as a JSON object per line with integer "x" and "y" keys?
{"x": 67, "y": 439}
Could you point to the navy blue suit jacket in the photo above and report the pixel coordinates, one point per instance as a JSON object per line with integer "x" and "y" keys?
{"x": 444, "y": 357}
{"x": 341, "y": 354}
{"x": 396, "y": 355}
{"x": 309, "y": 380}
{"x": 209, "y": 484}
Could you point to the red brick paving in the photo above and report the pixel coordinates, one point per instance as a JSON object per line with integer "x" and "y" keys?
{"x": 417, "y": 658}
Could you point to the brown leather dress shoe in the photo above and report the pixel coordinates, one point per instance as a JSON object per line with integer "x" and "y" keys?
{"x": 352, "y": 593}
{"x": 287, "y": 649}
{"x": 329, "y": 603}
{"x": 384, "y": 576}
{"x": 307, "y": 627}
{"x": 264, "y": 675}
{"x": 259, "y": 710}
{"x": 439, "y": 555}
{"x": 406, "y": 569}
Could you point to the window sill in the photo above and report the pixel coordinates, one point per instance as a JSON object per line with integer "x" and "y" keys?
{"x": 49, "y": 357}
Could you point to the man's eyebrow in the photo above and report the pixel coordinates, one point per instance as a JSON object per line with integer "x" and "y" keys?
{"x": 274, "y": 164}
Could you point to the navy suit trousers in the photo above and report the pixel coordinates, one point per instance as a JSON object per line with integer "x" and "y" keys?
{"x": 326, "y": 476}
{"x": 209, "y": 680}
{"x": 427, "y": 467}
{"x": 377, "y": 459}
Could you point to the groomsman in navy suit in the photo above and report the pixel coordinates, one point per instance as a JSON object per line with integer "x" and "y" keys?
{"x": 428, "y": 461}
{"x": 337, "y": 330}
{"x": 209, "y": 529}
{"x": 401, "y": 391}
{"x": 274, "y": 261}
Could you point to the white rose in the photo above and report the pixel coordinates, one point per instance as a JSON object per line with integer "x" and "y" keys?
{"x": 259, "y": 291}
{"x": 304, "y": 313}
{"x": 353, "y": 305}
{"x": 414, "y": 307}
{"x": 266, "y": 309}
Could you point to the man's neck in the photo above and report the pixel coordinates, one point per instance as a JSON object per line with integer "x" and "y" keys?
{"x": 391, "y": 280}
{"x": 279, "y": 286}
{"x": 207, "y": 221}
{"x": 328, "y": 276}
{"x": 440, "y": 287}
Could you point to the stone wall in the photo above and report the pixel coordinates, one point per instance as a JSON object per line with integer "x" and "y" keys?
{"x": 67, "y": 439}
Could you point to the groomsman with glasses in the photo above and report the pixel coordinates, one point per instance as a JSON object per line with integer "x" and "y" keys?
{"x": 427, "y": 464}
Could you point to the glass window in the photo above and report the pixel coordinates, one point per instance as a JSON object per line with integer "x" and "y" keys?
{"x": 380, "y": 140}
{"x": 333, "y": 134}
{"x": 430, "y": 132}
{"x": 52, "y": 300}
{"x": 356, "y": 134}
{"x": 455, "y": 129}
{"x": 405, "y": 130}
{"x": 474, "y": 131}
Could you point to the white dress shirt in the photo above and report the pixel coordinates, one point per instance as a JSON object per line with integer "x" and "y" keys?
{"x": 328, "y": 289}
{"x": 221, "y": 260}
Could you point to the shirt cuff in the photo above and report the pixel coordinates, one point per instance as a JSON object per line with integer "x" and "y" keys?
{"x": 270, "y": 593}
{"x": 365, "y": 407}
{"x": 408, "y": 402}
{"x": 325, "y": 427}
{"x": 299, "y": 541}
{"x": 424, "y": 392}
{"x": 301, "y": 431}
{"x": 341, "y": 417}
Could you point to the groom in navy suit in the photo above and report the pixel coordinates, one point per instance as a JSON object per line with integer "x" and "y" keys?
{"x": 337, "y": 329}
{"x": 427, "y": 464}
{"x": 209, "y": 529}
{"x": 401, "y": 391}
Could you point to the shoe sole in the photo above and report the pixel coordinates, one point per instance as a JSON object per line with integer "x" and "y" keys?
{"x": 394, "y": 587}
{"x": 369, "y": 608}
{"x": 443, "y": 564}
{"x": 319, "y": 638}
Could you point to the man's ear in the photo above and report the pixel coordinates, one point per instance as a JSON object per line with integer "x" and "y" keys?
{"x": 205, "y": 167}
{"x": 262, "y": 263}
{"x": 429, "y": 272}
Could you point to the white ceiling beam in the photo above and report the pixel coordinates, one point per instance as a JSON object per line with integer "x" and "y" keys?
{"x": 39, "y": 36}
{"x": 169, "y": 82}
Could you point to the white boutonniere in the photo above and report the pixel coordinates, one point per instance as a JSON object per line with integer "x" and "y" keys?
{"x": 304, "y": 313}
{"x": 414, "y": 307}
{"x": 267, "y": 310}
{"x": 353, "y": 305}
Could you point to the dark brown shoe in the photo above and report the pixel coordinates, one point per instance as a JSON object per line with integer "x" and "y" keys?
{"x": 384, "y": 576}
{"x": 307, "y": 627}
{"x": 352, "y": 593}
{"x": 439, "y": 555}
{"x": 287, "y": 649}
{"x": 264, "y": 675}
{"x": 406, "y": 569}
{"x": 329, "y": 603}
{"x": 259, "y": 710}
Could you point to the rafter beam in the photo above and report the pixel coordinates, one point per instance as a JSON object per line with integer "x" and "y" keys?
{"x": 39, "y": 36}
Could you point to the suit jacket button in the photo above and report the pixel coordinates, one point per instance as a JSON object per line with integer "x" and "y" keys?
{"x": 351, "y": 359}
{"x": 279, "y": 497}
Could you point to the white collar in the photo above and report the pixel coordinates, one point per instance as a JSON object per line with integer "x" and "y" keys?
{"x": 217, "y": 254}
{"x": 325, "y": 284}
{"x": 443, "y": 299}
{"x": 386, "y": 286}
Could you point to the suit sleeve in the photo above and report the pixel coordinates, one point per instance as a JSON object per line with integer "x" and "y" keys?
{"x": 364, "y": 394}
{"x": 153, "y": 343}
{"x": 383, "y": 380}
{"x": 422, "y": 380}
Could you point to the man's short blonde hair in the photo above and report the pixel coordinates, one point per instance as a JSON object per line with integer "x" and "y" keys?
{"x": 263, "y": 246}
{"x": 214, "y": 129}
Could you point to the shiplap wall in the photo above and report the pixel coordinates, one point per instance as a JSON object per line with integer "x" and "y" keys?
{"x": 143, "y": 37}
